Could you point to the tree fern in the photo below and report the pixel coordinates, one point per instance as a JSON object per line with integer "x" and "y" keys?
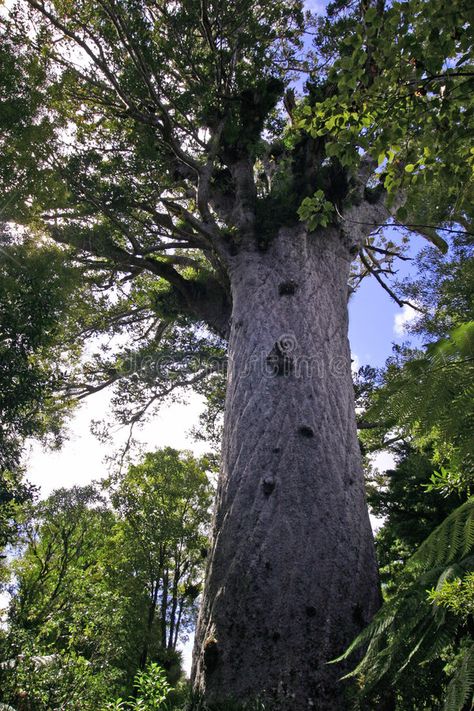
{"x": 453, "y": 539}
{"x": 409, "y": 630}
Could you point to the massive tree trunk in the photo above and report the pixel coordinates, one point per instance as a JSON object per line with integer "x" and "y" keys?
{"x": 292, "y": 574}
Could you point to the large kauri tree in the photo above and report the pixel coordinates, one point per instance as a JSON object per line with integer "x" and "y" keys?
{"x": 165, "y": 166}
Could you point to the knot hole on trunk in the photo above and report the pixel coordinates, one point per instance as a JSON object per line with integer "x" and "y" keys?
{"x": 358, "y": 615}
{"x": 268, "y": 485}
{"x": 211, "y": 654}
{"x": 287, "y": 288}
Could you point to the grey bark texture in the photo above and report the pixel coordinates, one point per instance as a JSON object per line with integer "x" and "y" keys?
{"x": 292, "y": 575}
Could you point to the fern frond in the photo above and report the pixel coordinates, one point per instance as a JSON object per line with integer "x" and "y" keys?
{"x": 375, "y": 629}
{"x": 431, "y": 397}
{"x": 453, "y": 539}
{"x": 408, "y": 630}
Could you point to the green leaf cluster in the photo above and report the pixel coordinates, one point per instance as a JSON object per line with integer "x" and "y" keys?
{"x": 42, "y": 299}
{"x": 152, "y": 692}
{"x": 316, "y": 211}
{"x": 398, "y": 88}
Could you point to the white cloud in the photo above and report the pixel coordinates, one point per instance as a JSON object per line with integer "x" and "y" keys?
{"x": 382, "y": 461}
{"x": 402, "y": 319}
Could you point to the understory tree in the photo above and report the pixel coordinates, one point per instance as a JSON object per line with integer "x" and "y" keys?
{"x": 100, "y": 590}
{"x": 60, "y": 643}
{"x": 163, "y": 504}
{"x": 410, "y": 512}
{"x": 217, "y": 225}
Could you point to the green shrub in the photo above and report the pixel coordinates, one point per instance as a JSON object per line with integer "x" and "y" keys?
{"x": 152, "y": 689}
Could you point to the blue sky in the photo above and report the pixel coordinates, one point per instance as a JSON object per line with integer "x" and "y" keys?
{"x": 372, "y": 317}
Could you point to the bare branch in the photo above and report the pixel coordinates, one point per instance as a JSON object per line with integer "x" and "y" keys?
{"x": 385, "y": 286}
{"x": 387, "y": 252}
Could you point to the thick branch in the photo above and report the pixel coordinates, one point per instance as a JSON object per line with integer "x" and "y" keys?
{"x": 209, "y": 302}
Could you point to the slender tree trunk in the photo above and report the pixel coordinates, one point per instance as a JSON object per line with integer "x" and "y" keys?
{"x": 292, "y": 574}
{"x": 149, "y": 623}
{"x": 178, "y": 622}
{"x": 174, "y": 604}
{"x": 164, "y": 609}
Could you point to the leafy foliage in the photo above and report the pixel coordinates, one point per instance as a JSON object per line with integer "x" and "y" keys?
{"x": 152, "y": 692}
{"x": 63, "y": 607}
{"x": 53, "y": 681}
{"x": 14, "y": 494}
{"x": 409, "y": 512}
{"x": 316, "y": 210}
{"x": 37, "y": 291}
{"x": 403, "y": 73}
{"x": 163, "y": 505}
{"x": 452, "y": 540}
{"x": 460, "y": 689}
{"x": 155, "y": 694}
{"x": 444, "y": 288}
{"x": 457, "y": 595}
